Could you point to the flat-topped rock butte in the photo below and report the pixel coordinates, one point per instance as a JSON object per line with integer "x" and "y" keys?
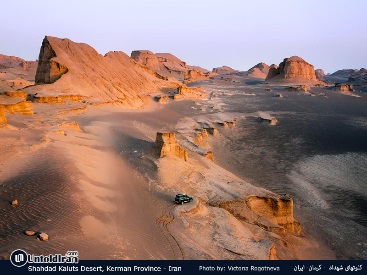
{"x": 293, "y": 69}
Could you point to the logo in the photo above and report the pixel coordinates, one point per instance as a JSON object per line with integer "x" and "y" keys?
{"x": 19, "y": 257}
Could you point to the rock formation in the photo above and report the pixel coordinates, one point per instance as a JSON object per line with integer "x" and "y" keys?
{"x": 48, "y": 70}
{"x": 16, "y": 73}
{"x": 55, "y": 99}
{"x": 193, "y": 75}
{"x": 77, "y": 69}
{"x": 72, "y": 126}
{"x": 293, "y": 68}
{"x": 223, "y": 124}
{"x": 297, "y": 88}
{"x": 162, "y": 98}
{"x": 14, "y": 202}
{"x": 209, "y": 155}
{"x": 320, "y": 75}
{"x": 146, "y": 58}
{"x": 359, "y": 77}
{"x": 165, "y": 64}
{"x": 270, "y": 120}
{"x": 43, "y": 237}
{"x": 189, "y": 92}
{"x": 211, "y": 130}
{"x": 29, "y": 233}
{"x": 22, "y": 107}
{"x": 200, "y": 137}
{"x": 8, "y": 62}
{"x": 272, "y": 213}
{"x": 167, "y": 145}
{"x": 223, "y": 70}
{"x": 20, "y": 94}
{"x": 260, "y": 70}
{"x": 345, "y": 73}
{"x": 344, "y": 87}
{"x": 277, "y": 209}
{"x": 273, "y": 71}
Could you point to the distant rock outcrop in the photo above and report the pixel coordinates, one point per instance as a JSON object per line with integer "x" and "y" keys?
{"x": 359, "y": 77}
{"x": 273, "y": 71}
{"x": 165, "y": 64}
{"x": 193, "y": 75}
{"x": 344, "y": 87}
{"x": 293, "y": 68}
{"x": 8, "y": 62}
{"x": 76, "y": 68}
{"x": 146, "y": 58}
{"x": 346, "y": 73}
{"x": 320, "y": 75}
{"x": 260, "y": 70}
{"x": 167, "y": 145}
{"x": 16, "y": 73}
{"x": 189, "y": 92}
{"x": 224, "y": 70}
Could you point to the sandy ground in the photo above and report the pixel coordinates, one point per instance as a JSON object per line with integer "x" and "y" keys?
{"x": 98, "y": 187}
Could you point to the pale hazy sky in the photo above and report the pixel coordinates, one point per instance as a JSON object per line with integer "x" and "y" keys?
{"x": 330, "y": 34}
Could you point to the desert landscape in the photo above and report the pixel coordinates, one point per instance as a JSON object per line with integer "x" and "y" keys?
{"x": 95, "y": 148}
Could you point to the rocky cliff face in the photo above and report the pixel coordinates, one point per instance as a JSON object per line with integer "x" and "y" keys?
{"x": 276, "y": 209}
{"x": 260, "y": 70}
{"x": 272, "y": 213}
{"x": 167, "y": 145}
{"x": 293, "y": 68}
{"x": 77, "y": 69}
{"x": 48, "y": 70}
